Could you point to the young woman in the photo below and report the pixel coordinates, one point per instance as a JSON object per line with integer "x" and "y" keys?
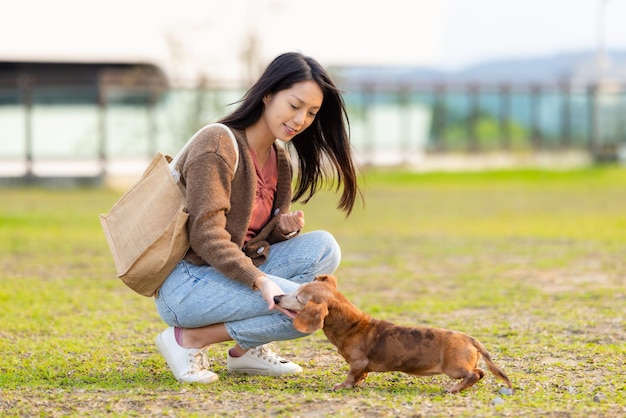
{"x": 246, "y": 244}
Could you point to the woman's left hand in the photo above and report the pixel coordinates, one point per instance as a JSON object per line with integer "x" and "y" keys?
{"x": 291, "y": 222}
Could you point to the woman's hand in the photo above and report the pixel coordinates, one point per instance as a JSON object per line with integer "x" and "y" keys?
{"x": 269, "y": 289}
{"x": 291, "y": 222}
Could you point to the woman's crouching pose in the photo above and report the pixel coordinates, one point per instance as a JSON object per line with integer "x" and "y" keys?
{"x": 246, "y": 243}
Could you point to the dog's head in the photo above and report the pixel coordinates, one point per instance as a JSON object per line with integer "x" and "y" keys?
{"x": 308, "y": 305}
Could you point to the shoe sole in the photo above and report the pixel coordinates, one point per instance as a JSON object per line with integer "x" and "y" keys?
{"x": 258, "y": 372}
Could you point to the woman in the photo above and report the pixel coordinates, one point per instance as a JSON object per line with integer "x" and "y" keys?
{"x": 246, "y": 245}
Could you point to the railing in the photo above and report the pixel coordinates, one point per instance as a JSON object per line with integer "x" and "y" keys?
{"x": 473, "y": 118}
{"x": 103, "y": 128}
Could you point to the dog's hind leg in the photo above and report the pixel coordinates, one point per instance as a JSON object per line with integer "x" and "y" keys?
{"x": 469, "y": 379}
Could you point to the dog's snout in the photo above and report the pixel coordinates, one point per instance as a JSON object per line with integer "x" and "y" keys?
{"x": 278, "y": 298}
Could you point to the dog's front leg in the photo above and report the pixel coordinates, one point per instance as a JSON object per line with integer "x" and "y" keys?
{"x": 351, "y": 381}
{"x": 356, "y": 375}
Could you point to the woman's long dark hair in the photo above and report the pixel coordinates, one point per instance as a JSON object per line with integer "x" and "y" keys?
{"x": 325, "y": 143}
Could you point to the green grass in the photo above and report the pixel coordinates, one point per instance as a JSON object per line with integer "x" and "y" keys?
{"x": 529, "y": 262}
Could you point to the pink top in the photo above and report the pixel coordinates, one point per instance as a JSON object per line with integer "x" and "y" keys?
{"x": 267, "y": 179}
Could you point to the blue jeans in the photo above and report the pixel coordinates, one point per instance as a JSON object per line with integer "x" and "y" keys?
{"x": 195, "y": 296}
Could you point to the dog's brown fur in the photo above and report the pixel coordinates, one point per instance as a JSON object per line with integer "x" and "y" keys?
{"x": 372, "y": 345}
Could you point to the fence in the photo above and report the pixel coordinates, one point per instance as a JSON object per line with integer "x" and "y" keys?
{"x": 92, "y": 132}
{"x": 472, "y": 118}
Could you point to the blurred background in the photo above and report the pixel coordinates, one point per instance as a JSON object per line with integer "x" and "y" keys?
{"x": 89, "y": 92}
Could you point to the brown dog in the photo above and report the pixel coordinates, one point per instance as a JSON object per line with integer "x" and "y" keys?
{"x": 372, "y": 345}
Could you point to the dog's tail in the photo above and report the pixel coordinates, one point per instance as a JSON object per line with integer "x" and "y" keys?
{"x": 492, "y": 367}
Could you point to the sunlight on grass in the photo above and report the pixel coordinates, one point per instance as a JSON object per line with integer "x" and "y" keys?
{"x": 529, "y": 262}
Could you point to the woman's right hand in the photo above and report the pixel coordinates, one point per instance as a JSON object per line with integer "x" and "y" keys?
{"x": 269, "y": 289}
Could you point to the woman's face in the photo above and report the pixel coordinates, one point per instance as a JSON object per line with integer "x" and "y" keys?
{"x": 290, "y": 111}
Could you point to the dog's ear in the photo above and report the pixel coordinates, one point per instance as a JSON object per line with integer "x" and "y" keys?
{"x": 311, "y": 317}
{"x": 331, "y": 280}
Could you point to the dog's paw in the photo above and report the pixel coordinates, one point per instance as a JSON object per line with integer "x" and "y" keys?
{"x": 342, "y": 385}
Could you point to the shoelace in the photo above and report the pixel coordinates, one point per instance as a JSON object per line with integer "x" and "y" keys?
{"x": 265, "y": 352}
{"x": 198, "y": 362}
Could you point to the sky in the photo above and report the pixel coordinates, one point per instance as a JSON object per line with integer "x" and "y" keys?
{"x": 447, "y": 34}
{"x": 479, "y": 30}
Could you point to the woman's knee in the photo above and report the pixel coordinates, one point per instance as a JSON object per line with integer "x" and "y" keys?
{"x": 330, "y": 252}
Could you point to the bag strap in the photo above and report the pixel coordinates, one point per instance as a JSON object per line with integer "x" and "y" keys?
{"x": 177, "y": 157}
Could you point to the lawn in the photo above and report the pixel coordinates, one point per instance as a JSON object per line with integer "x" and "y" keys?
{"x": 530, "y": 262}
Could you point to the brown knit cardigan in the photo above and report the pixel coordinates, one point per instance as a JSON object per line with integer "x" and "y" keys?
{"x": 220, "y": 204}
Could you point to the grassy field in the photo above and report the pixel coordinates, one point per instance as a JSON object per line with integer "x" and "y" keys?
{"x": 531, "y": 263}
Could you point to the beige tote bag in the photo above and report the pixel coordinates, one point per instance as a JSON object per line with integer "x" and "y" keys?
{"x": 147, "y": 227}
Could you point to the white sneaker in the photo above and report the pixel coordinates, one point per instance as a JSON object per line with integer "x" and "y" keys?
{"x": 189, "y": 365}
{"x": 262, "y": 361}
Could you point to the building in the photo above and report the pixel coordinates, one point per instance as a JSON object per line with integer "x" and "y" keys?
{"x": 89, "y": 89}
